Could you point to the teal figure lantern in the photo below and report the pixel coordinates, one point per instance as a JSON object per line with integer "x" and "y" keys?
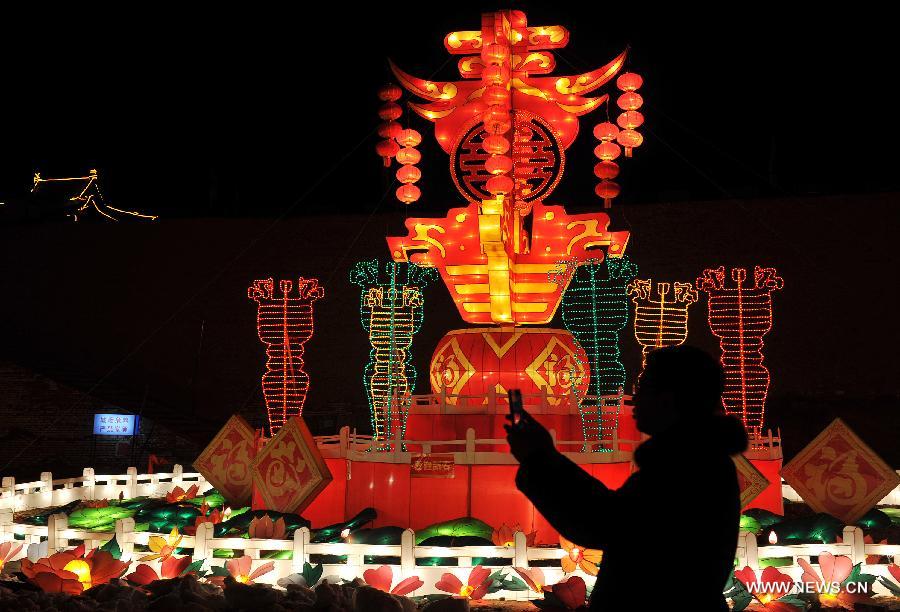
{"x": 595, "y": 310}
{"x": 391, "y": 303}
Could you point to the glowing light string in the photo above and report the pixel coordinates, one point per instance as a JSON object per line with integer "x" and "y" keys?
{"x": 595, "y": 310}
{"x": 391, "y": 312}
{"x": 86, "y": 197}
{"x": 660, "y": 320}
{"x": 284, "y": 324}
{"x": 740, "y": 316}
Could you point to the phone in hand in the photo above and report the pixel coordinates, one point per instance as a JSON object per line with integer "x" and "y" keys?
{"x": 515, "y": 405}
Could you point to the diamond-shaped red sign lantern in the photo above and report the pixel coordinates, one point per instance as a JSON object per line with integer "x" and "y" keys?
{"x": 289, "y": 471}
{"x": 837, "y": 473}
{"x": 750, "y": 480}
{"x": 226, "y": 462}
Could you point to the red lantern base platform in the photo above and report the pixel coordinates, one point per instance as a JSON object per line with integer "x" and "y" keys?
{"x": 454, "y": 463}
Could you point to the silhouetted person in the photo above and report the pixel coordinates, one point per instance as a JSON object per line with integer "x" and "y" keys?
{"x": 673, "y": 525}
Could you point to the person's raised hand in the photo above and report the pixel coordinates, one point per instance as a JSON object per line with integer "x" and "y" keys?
{"x": 527, "y": 437}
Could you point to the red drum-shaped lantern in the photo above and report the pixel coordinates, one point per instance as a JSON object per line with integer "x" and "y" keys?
{"x": 408, "y": 174}
{"x": 474, "y": 361}
{"x": 389, "y": 129}
{"x": 408, "y": 155}
{"x": 409, "y": 138}
{"x": 629, "y": 81}
{"x": 500, "y": 184}
{"x": 605, "y": 131}
{"x": 390, "y": 93}
{"x": 630, "y": 120}
{"x": 495, "y": 114}
{"x": 629, "y": 139}
{"x": 630, "y": 101}
{"x": 607, "y": 151}
{"x": 518, "y": 19}
{"x": 501, "y": 127}
{"x": 606, "y": 170}
{"x": 408, "y": 193}
{"x": 496, "y": 145}
{"x": 387, "y": 149}
{"x": 389, "y": 111}
{"x": 498, "y": 164}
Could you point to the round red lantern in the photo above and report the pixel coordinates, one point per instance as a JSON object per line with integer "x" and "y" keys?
{"x": 605, "y": 131}
{"x": 629, "y": 81}
{"x": 494, "y": 53}
{"x": 607, "y": 190}
{"x": 498, "y": 128}
{"x": 629, "y": 139}
{"x": 389, "y": 111}
{"x": 495, "y": 75}
{"x": 408, "y": 155}
{"x": 607, "y": 151}
{"x": 495, "y": 94}
{"x": 500, "y": 184}
{"x": 409, "y": 138}
{"x": 408, "y": 193}
{"x": 475, "y": 361}
{"x": 518, "y": 19}
{"x": 606, "y": 170}
{"x": 495, "y": 114}
{"x": 389, "y": 129}
{"x": 387, "y": 149}
{"x": 495, "y": 144}
{"x": 630, "y": 101}
{"x": 630, "y": 120}
{"x": 408, "y": 174}
{"x": 498, "y": 164}
{"x": 390, "y": 93}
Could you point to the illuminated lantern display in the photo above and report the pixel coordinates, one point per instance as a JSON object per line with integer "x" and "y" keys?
{"x": 740, "y": 316}
{"x": 285, "y": 323}
{"x": 506, "y": 126}
{"x": 595, "y": 311}
{"x": 660, "y": 320}
{"x": 391, "y": 312}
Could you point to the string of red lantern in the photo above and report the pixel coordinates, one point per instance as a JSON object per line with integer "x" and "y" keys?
{"x": 630, "y": 119}
{"x": 611, "y": 137}
{"x": 389, "y": 127}
{"x": 495, "y": 77}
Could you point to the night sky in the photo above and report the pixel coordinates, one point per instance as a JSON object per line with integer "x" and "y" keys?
{"x": 768, "y": 140}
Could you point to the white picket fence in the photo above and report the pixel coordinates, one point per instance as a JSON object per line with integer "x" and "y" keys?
{"x": 48, "y": 492}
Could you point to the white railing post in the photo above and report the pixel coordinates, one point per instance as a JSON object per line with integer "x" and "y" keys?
{"x": 131, "y": 490}
{"x": 747, "y": 541}
{"x": 56, "y": 523}
{"x": 89, "y": 485}
{"x": 544, "y": 399}
{"x": 125, "y": 536}
{"x": 553, "y": 437}
{"x": 202, "y": 548}
{"x": 443, "y": 400}
{"x": 8, "y": 494}
{"x": 520, "y": 554}
{"x": 46, "y": 482}
{"x": 407, "y": 553}
{"x": 470, "y": 445}
{"x": 854, "y": 537}
{"x": 301, "y": 541}
{"x": 177, "y": 475}
{"x": 6, "y": 524}
{"x": 492, "y": 400}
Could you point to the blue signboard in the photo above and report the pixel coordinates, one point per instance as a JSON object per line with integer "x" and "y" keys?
{"x": 115, "y": 424}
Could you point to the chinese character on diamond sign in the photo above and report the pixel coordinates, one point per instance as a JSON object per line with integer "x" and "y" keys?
{"x": 838, "y": 474}
{"x": 289, "y": 471}
{"x": 751, "y": 482}
{"x": 226, "y": 462}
